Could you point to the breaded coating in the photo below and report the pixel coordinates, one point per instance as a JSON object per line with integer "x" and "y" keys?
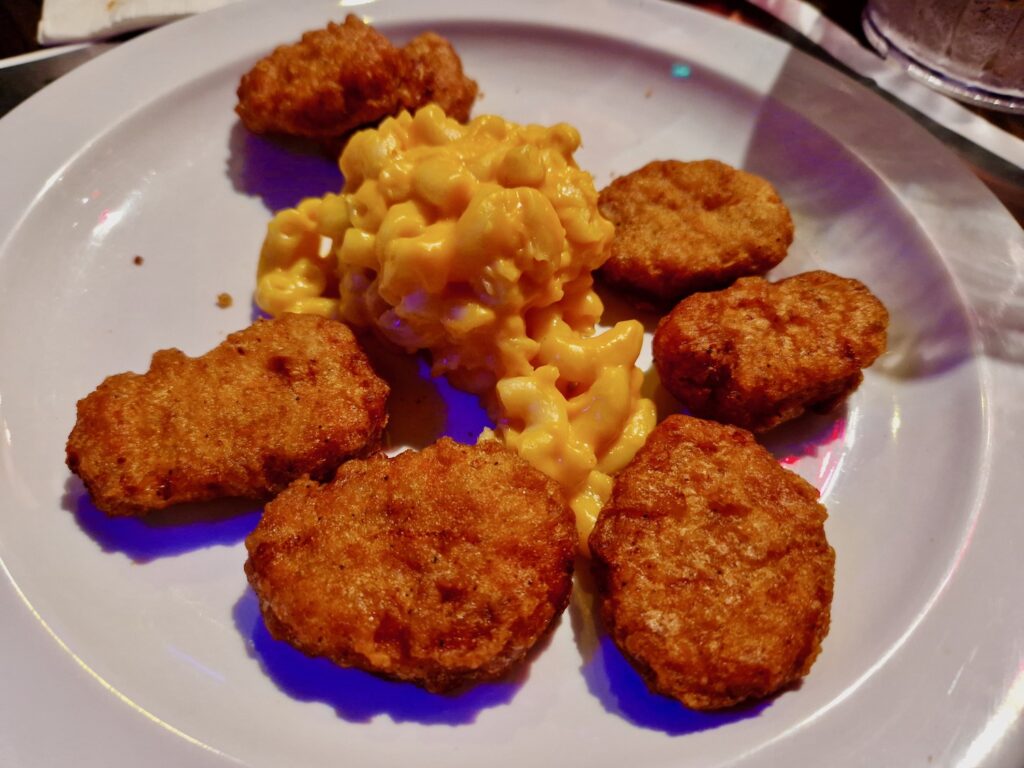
{"x": 759, "y": 353}
{"x": 682, "y": 227}
{"x": 278, "y": 400}
{"x": 346, "y": 76}
{"x": 332, "y": 81}
{"x": 435, "y": 76}
{"x": 441, "y": 567}
{"x": 713, "y": 572}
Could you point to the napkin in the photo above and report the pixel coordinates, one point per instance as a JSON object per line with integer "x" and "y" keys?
{"x": 65, "y": 21}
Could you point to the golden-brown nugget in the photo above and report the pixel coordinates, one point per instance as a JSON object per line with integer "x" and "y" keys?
{"x": 714, "y": 575}
{"x": 332, "y": 81}
{"x": 441, "y": 567}
{"x": 435, "y": 76}
{"x": 682, "y": 227}
{"x": 759, "y": 353}
{"x": 337, "y": 79}
{"x": 273, "y": 402}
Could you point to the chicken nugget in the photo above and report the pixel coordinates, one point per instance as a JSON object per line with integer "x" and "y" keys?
{"x": 435, "y": 76}
{"x": 441, "y": 567}
{"x": 347, "y": 76}
{"x": 713, "y": 572}
{"x": 682, "y": 227}
{"x": 332, "y": 81}
{"x": 273, "y": 402}
{"x": 759, "y": 353}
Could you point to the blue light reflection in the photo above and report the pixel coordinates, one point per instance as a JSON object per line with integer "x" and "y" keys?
{"x": 165, "y": 533}
{"x": 681, "y": 71}
{"x": 464, "y": 415}
{"x": 280, "y": 171}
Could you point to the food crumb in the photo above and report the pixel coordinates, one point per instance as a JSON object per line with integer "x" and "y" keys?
{"x": 224, "y": 300}
{"x": 137, "y": 261}
{"x": 648, "y": 93}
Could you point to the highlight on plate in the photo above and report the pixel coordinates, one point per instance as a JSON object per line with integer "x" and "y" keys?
{"x": 477, "y": 243}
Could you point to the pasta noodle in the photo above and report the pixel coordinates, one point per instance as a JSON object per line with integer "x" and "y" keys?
{"x": 477, "y": 242}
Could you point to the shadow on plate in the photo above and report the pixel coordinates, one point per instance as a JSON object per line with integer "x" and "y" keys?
{"x": 619, "y": 306}
{"x": 280, "y": 171}
{"x": 620, "y": 689}
{"x": 806, "y": 436}
{"x": 421, "y": 407}
{"x": 255, "y": 313}
{"x": 164, "y": 533}
{"x": 791, "y": 441}
{"x": 358, "y": 696}
{"x": 664, "y": 401}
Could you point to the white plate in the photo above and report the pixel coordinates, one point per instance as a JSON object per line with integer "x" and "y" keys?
{"x": 130, "y": 643}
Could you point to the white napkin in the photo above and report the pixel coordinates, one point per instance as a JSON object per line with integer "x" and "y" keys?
{"x": 65, "y": 21}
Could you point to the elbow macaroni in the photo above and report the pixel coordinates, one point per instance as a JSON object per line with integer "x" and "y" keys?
{"x": 477, "y": 242}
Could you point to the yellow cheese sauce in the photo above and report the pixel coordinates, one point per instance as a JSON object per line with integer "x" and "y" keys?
{"x": 477, "y": 242}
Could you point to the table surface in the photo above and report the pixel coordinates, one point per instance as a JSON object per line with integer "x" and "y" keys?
{"x": 19, "y": 18}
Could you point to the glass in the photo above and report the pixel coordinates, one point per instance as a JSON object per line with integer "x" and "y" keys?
{"x": 972, "y": 50}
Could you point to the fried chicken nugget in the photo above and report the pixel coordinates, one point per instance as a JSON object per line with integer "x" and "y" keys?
{"x": 337, "y": 79}
{"x": 714, "y": 575}
{"x": 330, "y": 82}
{"x": 682, "y": 227}
{"x": 435, "y": 76}
{"x": 441, "y": 567}
{"x": 758, "y": 353}
{"x": 273, "y": 402}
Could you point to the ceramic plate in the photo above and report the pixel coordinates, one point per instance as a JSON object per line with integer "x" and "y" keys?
{"x": 132, "y": 198}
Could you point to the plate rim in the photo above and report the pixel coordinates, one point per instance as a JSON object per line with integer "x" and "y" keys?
{"x": 41, "y": 170}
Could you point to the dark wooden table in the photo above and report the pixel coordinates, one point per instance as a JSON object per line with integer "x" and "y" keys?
{"x": 18, "y": 20}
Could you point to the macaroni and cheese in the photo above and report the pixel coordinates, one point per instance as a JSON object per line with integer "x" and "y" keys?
{"x": 477, "y": 242}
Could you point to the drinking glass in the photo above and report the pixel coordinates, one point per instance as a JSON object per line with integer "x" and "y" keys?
{"x": 972, "y": 50}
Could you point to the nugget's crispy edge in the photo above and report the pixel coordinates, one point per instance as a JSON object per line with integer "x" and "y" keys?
{"x": 714, "y": 574}
{"x": 758, "y": 353}
{"x": 332, "y": 81}
{"x": 441, "y": 567}
{"x": 347, "y": 76}
{"x": 435, "y": 76}
{"x": 682, "y": 227}
{"x": 278, "y": 400}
